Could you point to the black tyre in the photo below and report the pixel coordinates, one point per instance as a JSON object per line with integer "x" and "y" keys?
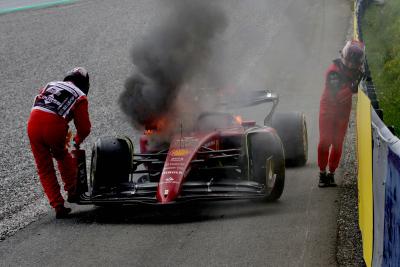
{"x": 267, "y": 163}
{"x": 111, "y": 163}
{"x": 292, "y": 129}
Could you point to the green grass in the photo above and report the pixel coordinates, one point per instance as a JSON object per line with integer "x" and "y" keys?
{"x": 381, "y": 32}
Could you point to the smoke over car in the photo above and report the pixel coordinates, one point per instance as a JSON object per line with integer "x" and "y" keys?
{"x": 173, "y": 65}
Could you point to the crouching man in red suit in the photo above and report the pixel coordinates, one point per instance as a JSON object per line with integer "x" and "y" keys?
{"x": 54, "y": 107}
{"x": 341, "y": 81}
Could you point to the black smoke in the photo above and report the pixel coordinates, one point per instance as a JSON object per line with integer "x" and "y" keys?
{"x": 169, "y": 58}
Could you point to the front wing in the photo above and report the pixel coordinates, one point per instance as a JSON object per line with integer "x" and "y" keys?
{"x": 145, "y": 193}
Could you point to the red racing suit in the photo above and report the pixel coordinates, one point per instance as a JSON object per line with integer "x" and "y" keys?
{"x": 56, "y": 105}
{"x": 334, "y": 113}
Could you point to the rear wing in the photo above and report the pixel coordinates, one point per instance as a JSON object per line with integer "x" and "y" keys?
{"x": 253, "y": 98}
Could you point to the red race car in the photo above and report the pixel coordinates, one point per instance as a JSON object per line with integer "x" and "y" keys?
{"x": 222, "y": 158}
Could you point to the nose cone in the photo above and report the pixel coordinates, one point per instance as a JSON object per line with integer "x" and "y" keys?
{"x": 167, "y": 192}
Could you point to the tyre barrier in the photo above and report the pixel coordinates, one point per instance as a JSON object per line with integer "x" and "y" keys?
{"x": 378, "y": 172}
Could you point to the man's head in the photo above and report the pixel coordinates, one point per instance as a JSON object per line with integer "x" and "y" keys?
{"x": 353, "y": 54}
{"x": 80, "y": 78}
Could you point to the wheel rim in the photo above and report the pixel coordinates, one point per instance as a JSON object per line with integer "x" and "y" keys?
{"x": 93, "y": 168}
{"x": 270, "y": 175}
{"x": 305, "y": 139}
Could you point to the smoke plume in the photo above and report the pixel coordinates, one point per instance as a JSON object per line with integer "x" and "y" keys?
{"x": 171, "y": 61}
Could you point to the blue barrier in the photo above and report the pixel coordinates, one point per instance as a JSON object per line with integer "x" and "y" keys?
{"x": 379, "y": 169}
{"x": 391, "y": 244}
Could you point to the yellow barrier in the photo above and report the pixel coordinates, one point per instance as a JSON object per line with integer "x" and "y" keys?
{"x": 365, "y": 194}
{"x": 355, "y": 22}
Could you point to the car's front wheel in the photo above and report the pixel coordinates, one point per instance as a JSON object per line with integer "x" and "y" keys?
{"x": 111, "y": 163}
{"x": 267, "y": 163}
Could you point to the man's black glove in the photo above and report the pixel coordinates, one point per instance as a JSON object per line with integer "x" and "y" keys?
{"x": 355, "y": 81}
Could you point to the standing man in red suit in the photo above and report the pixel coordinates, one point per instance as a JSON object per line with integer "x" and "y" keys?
{"x": 341, "y": 81}
{"x": 54, "y": 107}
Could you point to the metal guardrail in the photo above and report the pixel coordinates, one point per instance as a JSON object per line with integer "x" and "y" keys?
{"x": 367, "y": 84}
{"x": 384, "y": 132}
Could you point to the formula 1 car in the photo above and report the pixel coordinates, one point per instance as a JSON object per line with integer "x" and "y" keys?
{"x": 222, "y": 158}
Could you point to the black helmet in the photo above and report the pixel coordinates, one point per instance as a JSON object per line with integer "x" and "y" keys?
{"x": 80, "y": 78}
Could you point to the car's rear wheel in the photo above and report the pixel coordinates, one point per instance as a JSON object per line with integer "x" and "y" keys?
{"x": 292, "y": 129}
{"x": 267, "y": 163}
{"x": 111, "y": 163}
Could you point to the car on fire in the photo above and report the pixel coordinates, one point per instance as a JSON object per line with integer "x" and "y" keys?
{"x": 222, "y": 158}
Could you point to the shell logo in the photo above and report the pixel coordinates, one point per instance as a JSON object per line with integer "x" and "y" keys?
{"x": 179, "y": 152}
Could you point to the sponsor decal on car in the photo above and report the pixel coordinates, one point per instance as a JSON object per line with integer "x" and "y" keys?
{"x": 177, "y": 159}
{"x": 172, "y": 172}
{"x": 170, "y": 180}
{"x": 186, "y": 141}
{"x": 170, "y": 168}
{"x": 174, "y": 164}
{"x": 210, "y": 143}
{"x": 179, "y": 152}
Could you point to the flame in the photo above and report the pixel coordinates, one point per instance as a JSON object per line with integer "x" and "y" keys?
{"x": 156, "y": 126}
{"x": 149, "y": 132}
{"x": 239, "y": 119}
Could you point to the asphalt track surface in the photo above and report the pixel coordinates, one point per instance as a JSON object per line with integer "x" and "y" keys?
{"x": 284, "y": 45}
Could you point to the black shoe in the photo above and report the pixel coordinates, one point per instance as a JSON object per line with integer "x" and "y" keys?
{"x": 323, "y": 180}
{"x": 62, "y": 212}
{"x": 331, "y": 179}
